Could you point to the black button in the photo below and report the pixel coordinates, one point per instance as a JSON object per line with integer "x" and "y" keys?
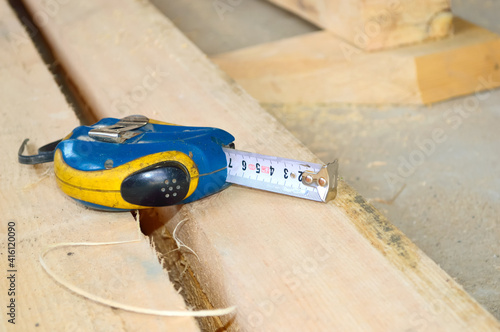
{"x": 162, "y": 184}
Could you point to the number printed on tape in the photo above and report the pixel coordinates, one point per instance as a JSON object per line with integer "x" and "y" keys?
{"x": 270, "y": 173}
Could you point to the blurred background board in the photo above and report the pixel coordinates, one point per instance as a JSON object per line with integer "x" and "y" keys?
{"x": 322, "y": 68}
{"x": 376, "y": 24}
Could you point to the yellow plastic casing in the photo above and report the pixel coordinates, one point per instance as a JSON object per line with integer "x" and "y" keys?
{"x": 102, "y": 187}
{"x": 152, "y": 121}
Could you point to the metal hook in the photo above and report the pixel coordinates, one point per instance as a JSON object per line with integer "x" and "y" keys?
{"x": 45, "y": 153}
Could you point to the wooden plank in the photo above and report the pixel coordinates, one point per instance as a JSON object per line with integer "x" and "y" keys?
{"x": 320, "y": 68}
{"x": 459, "y": 66}
{"x": 32, "y": 106}
{"x": 376, "y": 24}
{"x": 287, "y": 264}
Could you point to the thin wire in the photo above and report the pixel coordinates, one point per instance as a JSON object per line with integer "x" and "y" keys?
{"x": 114, "y": 304}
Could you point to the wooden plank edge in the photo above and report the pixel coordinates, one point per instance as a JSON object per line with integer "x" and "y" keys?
{"x": 319, "y": 68}
{"x": 375, "y": 26}
{"x": 422, "y": 272}
{"x": 180, "y": 272}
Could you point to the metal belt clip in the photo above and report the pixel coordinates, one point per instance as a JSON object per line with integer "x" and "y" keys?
{"x": 120, "y": 131}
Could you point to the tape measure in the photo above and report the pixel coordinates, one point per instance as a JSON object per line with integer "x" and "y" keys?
{"x": 136, "y": 163}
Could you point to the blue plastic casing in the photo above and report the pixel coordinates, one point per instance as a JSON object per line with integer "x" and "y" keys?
{"x": 202, "y": 144}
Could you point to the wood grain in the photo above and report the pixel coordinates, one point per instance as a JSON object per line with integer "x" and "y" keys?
{"x": 321, "y": 68}
{"x": 33, "y": 106}
{"x": 287, "y": 264}
{"x": 377, "y": 24}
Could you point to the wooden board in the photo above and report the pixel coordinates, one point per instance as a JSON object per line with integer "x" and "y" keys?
{"x": 32, "y": 106}
{"x": 377, "y": 24}
{"x": 321, "y": 68}
{"x": 286, "y": 263}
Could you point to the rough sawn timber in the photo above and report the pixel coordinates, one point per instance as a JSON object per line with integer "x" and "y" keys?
{"x": 321, "y": 68}
{"x": 377, "y": 24}
{"x": 40, "y": 215}
{"x": 286, "y": 263}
